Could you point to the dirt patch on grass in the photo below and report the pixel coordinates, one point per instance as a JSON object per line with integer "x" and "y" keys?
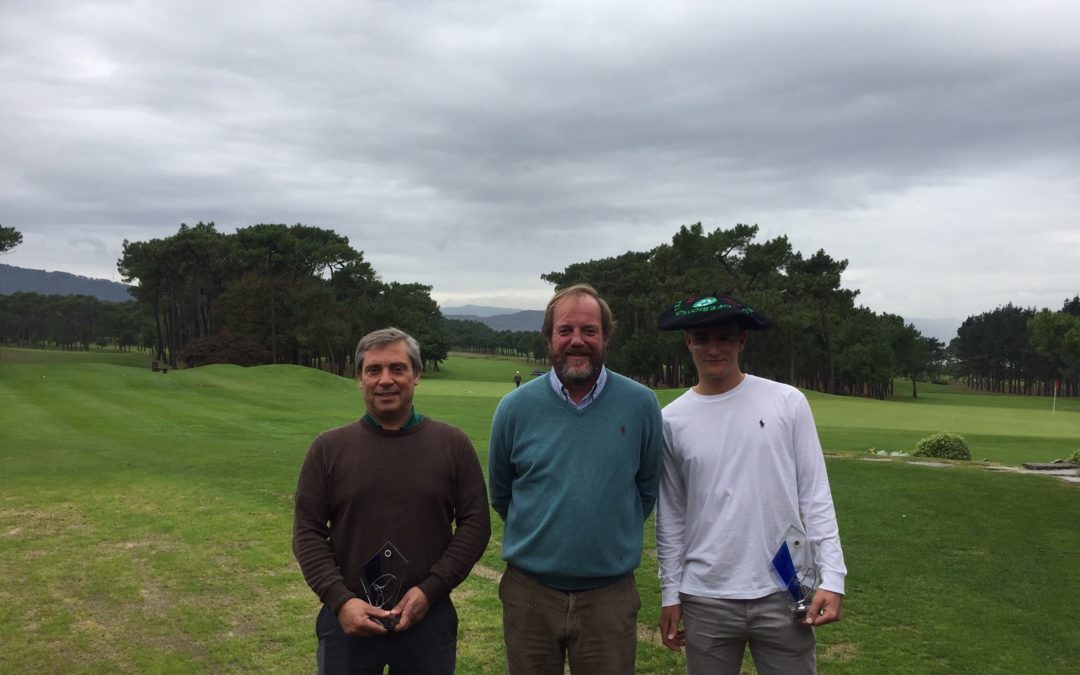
{"x": 841, "y": 652}
{"x": 967, "y": 551}
{"x": 49, "y": 521}
{"x": 242, "y": 627}
{"x": 1070, "y": 476}
{"x": 486, "y": 572}
{"x": 156, "y": 601}
{"x": 648, "y": 634}
{"x": 463, "y": 594}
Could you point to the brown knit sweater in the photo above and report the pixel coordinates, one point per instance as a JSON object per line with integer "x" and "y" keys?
{"x": 361, "y": 485}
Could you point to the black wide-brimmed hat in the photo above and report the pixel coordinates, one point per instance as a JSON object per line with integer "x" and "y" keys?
{"x": 702, "y": 311}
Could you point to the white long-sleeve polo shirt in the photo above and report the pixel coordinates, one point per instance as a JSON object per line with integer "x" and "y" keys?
{"x": 739, "y": 470}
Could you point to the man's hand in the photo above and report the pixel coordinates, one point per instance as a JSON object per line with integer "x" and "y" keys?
{"x": 673, "y": 638}
{"x": 826, "y": 607}
{"x": 410, "y": 609}
{"x": 358, "y": 618}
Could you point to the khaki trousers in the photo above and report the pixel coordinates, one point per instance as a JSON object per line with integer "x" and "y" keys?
{"x": 542, "y": 627}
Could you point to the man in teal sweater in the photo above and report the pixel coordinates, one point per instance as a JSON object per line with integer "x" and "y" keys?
{"x": 574, "y": 472}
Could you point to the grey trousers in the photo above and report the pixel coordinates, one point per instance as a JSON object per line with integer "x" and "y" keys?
{"x": 718, "y": 631}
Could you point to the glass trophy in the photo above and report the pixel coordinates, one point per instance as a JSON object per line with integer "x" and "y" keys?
{"x": 384, "y": 575}
{"x": 794, "y": 564}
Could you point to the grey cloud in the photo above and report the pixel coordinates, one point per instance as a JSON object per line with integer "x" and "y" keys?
{"x": 476, "y": 145}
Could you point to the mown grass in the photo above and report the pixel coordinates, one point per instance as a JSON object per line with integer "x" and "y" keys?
{"x": 145, "y": 523}
{"x": 1000, "y": 428}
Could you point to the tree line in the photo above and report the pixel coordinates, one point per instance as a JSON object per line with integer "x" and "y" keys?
{"x": 823, "y": 340}
{"x": 270, "y": 293}
{"x": 72, "y": 322}
{"x": 1019, "y": 350}
{"x": 468, "y": 335}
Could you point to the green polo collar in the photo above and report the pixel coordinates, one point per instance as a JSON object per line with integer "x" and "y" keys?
{"x": 414, "y": 419}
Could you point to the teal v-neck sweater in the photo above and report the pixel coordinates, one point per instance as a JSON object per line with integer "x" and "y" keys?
{"x": 575, "y": 486}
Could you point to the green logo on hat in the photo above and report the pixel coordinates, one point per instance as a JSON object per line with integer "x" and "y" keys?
{"x": 700, "y": 306}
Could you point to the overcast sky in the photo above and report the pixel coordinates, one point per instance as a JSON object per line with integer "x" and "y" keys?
{"x": 474, "y": 146}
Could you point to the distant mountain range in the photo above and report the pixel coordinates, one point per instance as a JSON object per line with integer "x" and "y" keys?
{"x": 477, "y": 310}
{"x": 21, "y": 280}
{"x": 498, "y": 318}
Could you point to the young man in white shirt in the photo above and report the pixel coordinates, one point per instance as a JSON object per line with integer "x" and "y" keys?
{"x": 743, "y": 477}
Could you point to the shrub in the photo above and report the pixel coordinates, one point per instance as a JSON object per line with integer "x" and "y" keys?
{"x": 1075, "y": 458}
{"x": 224, "y": 348}
{"x": 943, "y": 446}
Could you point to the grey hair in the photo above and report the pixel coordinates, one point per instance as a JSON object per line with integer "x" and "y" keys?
{"x": 387, "y": 336}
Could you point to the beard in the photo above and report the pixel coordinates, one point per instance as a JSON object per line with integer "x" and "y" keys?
{"x": 580, "y": 374}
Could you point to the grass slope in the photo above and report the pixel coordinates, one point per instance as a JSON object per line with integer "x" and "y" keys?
{"x": 145, "y": 523}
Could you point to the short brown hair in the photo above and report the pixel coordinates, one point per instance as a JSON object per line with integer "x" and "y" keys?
{"x": 607, "y": 319}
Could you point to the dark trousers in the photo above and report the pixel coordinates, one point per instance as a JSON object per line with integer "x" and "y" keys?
{"x": 428, "y": 648}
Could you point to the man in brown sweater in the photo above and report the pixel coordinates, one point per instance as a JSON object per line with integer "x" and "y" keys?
{"x": 393, "y": 476}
